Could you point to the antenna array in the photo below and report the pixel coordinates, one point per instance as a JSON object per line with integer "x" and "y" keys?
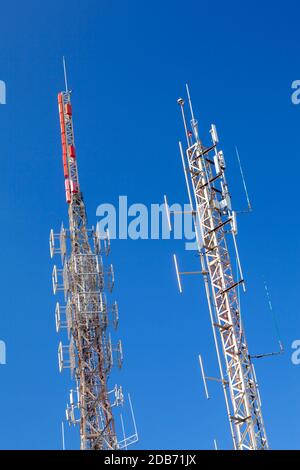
{"x": 86, "y": 316}
{"x": 216, "y": 230}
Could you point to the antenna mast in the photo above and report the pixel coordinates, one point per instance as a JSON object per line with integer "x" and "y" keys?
{"x": 86, "y": 315}
{"x": 215, "y": 226}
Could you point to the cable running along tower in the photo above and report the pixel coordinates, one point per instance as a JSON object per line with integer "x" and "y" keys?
{"x": 86, "y": 315}
{"x": 216, "y": 230}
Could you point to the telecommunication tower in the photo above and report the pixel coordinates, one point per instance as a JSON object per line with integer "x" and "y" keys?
{"x": 216, "y": 229}
{"x": 86, "y": 316}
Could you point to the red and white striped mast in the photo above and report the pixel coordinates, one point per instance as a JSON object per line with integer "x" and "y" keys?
{"x": 86, "y": 315}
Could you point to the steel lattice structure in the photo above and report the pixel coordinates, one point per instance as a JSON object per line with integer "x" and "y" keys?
{"x": 215, "y": 226}
{"x": 86, "y": 315}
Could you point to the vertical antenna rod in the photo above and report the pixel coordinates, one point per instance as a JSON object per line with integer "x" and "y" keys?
{"x": 63, "y": 435}
{"x": 86, "y": 315}
{"x": 243, "y": 179}
{"x": 216, "y": 219}
{"x": 281, "y": 348}
{"x": 65, "y": 73}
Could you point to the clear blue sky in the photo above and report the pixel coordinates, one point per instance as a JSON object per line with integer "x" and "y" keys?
{"x": 128, "y": 63}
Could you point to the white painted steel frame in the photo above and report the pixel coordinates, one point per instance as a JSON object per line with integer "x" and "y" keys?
{"x": 213, "y": 215}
